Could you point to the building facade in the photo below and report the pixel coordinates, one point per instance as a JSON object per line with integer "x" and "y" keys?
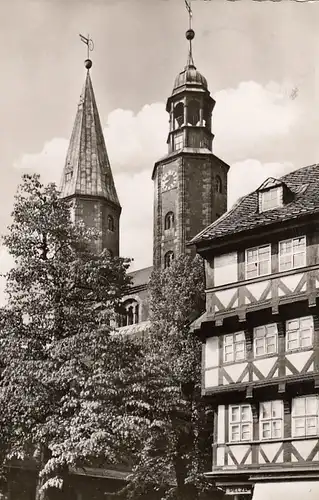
{"x": 260, "y": 335}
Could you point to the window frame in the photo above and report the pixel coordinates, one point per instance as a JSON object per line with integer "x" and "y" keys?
{"x": 266, "y": 336}
{"x": 233, "y": 344}
{"x": 169, "y": 221}
{"x": 277, "y": 199}
{"x": 299, "y": 335}
{"x": 110, "y": 223}
{"x": 305, "y": 416}
{"x": 263, "y": 421}
{"x": 257, "y": 261}
{"x": 178, "y": 141}
{"x": 292, "y": 254}
{"x": 240, "y": 423}
{"x": 168, "y": 259}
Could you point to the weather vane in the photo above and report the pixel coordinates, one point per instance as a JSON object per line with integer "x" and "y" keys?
{"x": 190, "y": 12}
{"x": 190, "y": 33}
{"x": 90, "y": 46}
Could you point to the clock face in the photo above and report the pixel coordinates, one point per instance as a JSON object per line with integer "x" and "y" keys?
{"x": 169, "y": 180}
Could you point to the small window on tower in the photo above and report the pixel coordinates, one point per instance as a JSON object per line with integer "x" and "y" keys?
{"x": 178, "y": 141}
{"x": 110, "y": 223}
{"x": 178, "y": 115}
{"x": 219, "y": 185}
{"x": 68, "y": 176}
{"x": 168, "y": 259}
{"x": 169, "y": 221}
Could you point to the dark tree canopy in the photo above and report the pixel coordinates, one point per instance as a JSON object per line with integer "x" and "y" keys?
{"x": 64, "y": 376}
{"x": 175, "y": 446}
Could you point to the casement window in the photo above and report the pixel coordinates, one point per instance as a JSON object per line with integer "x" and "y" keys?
{"x": 305, "y": 416}
{"x": 292, "y": 253}
{"x": 299, "y": 333}
{"x": 240, "y": 423}
{"x": 268, "y": 200}
{"x": 258, "y": 261}
{"x": 178, "y": 142}
{"x": 271, "y": 420}
{"x": 265, "y": 339}
{"x": 225, "y": 269}
{"x": 234, "y": 347}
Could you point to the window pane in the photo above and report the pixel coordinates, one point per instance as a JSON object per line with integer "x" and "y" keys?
{"x": 311, "y": 406}
{"x": 293, "y": 324}
{"x": 299, "y": 260}
{"x": 228, "y": 339}
{"x": 306, "y": 322}
{"x": 276, "y": 429}
{"x": 245, "y": 413}
{"x": 235, "y": 433}
{"x": 263, "y": 267}
{"x": 259, "y": 331}
{"x": 299, "y": 406}
{"x": 245, "y": 431}
{"x": 235, "y": 413}
{"x": 265, "y": 410}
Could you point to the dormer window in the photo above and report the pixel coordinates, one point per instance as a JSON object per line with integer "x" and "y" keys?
{"x": 270, "y": 199}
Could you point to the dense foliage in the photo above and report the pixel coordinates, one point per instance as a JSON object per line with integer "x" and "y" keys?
{"x": 175, "y": 445}
{"x": 65, "y": 381}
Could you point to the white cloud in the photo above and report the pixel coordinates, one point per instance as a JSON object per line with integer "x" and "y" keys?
{"x": 247, "y": 119}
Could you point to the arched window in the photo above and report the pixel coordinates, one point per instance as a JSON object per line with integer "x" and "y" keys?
{"x": 130, "y": 313}
{"x": 178, "y": 115}
{"x": 169, "y": 221}
{"x": 193, "y": 112}
{"x": 168, "y": 259}
{"x": 219, "y": 186}
{"x": 110, "y": 223}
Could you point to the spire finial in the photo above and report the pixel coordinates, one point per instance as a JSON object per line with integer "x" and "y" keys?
{"x": 190, "y": 33}
{"x": 90, "y": 46}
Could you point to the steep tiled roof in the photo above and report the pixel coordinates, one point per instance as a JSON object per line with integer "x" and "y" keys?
{"x": 244, "y": 215}
{"x": 87, "y": 168}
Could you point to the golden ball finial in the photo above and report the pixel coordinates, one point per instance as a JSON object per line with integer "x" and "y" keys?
{"x": 190, "y": 34}
{"x": 88, "y": 63}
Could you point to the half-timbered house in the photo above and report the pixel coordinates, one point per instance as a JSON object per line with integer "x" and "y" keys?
{"x": 260, "y": 335}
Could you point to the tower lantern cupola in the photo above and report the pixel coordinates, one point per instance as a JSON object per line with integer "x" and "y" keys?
{"x": 190, "y": 108}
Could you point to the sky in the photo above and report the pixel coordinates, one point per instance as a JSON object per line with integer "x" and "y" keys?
{"x": 261, "y": 60}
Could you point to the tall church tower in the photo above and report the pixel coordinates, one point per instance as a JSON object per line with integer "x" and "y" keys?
{"x": 87, "y": 178}
{"x": 190, "y": 182}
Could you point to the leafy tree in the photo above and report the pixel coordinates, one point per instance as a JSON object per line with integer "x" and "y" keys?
{"x": 175, "y": 446}
{"x": 64, "y": 378}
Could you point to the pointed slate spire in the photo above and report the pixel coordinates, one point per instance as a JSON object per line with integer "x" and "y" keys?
{"x": 87, "y": 178}
{"x": 87, "y": 170}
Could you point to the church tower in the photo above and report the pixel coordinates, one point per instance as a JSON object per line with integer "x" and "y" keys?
{"x": 87, "y": 179}
{"x": 190, "y": 182}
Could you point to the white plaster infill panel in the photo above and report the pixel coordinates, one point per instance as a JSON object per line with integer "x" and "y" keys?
{"x": 257, "y": 289}
{"x": 221, "y": 424}
{"x": 211, "y": 352}
{"x": 239, "y": 451}
{"x": 298, "y": 360}
{"x": 265, "y": 365}
{"x": 304, "y": 449}
{"x": 291, "y": 282}
{"x": 235, "y": 371}
{"x": 270, "y": 450}
{"x": 220, "y": 459}
{"x": 228, "y": 298}
{"x": 211, "y": 378}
